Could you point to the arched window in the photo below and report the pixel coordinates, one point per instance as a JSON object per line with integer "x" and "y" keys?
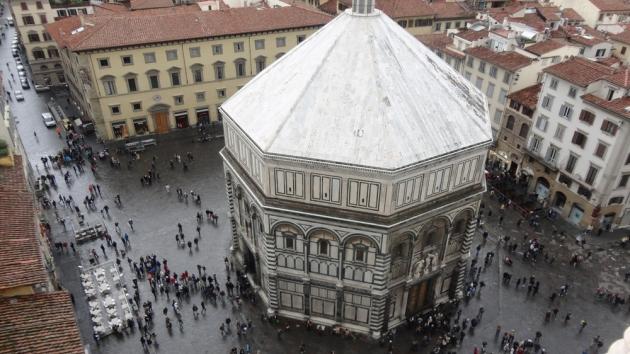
{"x": 219, "y": 70}
{"x": 197, "y": 72}
{"x": 52, "y": 52}
{"x": 38, "y": 53}
{"x": 240, "y": 67}
{"x": 109, "y": 85}
{"x": 524, "y": 130}
{"x": 33, "y": 36}
{"x": 43, "y": 67}
{"x": 58, "y": 66}
{"x": 510, "y": 122}
{"x": 153, "y": 76}
{"x": 323, "y": 243}
{"x": 286, "y": 237}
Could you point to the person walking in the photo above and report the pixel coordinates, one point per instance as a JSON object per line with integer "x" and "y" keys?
{"x": 130, "y": 222}
{"x": 582, "y": 325}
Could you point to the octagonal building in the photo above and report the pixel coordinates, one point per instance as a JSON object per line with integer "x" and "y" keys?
{"x": 354, "y": 171}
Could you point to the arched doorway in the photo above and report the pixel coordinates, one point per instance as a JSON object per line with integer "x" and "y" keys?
{"x": 559, "y": 200}
{"x": 159, "y": 112}
{"x": 608, "y": 220}
{"x": 542, "y": 188}
{"x": 576, "y": 213}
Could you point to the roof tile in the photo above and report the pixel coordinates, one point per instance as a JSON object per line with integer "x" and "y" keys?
{"x": 509, "y": 60}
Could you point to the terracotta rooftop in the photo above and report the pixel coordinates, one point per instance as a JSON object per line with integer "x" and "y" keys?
{"x": 611, "y": 5}
{"x": 582, "y": 34}
{"x": 617, "y": 106}
{"x": 549, "y": 13}
{"x": 511, "y": 61}
{"x": 420, "y": 8}
{"x": 20, "y": 260}
{"x": 149, "y": 4}
{"x": 580, "y": 71}
{"x": 528, "y": 96}
{"x": 90, "y": 32}
{"x": 532, "y": 20}
{"x": 471, "y": 35}
{"x": 571, "y": 15}
{"x": 544, "y": 47}
{"x": 621, "y": 77}
{"x": 610, "y": 61}
{"x": 623, "y": 37}
{"x": 42, "y": 323}
{"x": 440, "y": 42}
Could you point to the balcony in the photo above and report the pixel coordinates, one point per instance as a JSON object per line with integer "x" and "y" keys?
{"x": 56, "y": 4}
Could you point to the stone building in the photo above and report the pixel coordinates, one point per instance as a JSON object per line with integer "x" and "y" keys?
{"x": 354, "y": 171}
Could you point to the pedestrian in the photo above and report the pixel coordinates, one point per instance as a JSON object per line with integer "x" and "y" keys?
{"x": 195, "y": 309}
{"x": 582, "y": 325}
{"x": 130, "y": 222}
{"x": 103, "y": 249}
{"x": 203, "y": 307}
{"x": 199, "y": 231}
{"x": 73, "y": 249}
{"x": 168, "y": 189}
{"x": 567, "y": 318}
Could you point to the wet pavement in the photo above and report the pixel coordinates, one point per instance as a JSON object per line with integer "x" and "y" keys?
{"x": 156, "y": 214}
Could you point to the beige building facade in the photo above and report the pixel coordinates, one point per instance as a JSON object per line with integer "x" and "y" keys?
{"x": 156, "y": 86}
{"x": 31, "y": 17}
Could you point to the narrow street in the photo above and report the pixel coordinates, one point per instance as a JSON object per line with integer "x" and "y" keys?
{"x": 156, "y": 214}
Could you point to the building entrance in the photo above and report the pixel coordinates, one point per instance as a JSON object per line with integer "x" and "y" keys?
{"x": 251, "y": 266}
{"x": 161, "y": 122}
{"x": 418, "y": 297}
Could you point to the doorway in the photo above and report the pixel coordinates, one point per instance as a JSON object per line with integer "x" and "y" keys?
{"x": 250, "y": 265}
{"x": 161, "y": 122}
{"x": 542, "y": 188}
{"x": 576, "y": 213}
{"x": 560, "y": 200}
{"x": 418, "y": 297}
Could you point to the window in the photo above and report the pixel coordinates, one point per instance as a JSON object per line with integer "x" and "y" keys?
{"x": 149, "y": 58}
{"x": 479, "y": 83}
{"x": 609, "y": 127}
{"x": 175, "y": 79}
{"x": 195, "y": 52}
{"x": 587, "y": 117}
{"x": 482, "y": 66}
{"x": 542, "y": 123}
{"x": 219, "y": 71}
{"x": 566, "y": 111}
{"x": 356, "y": 308}
{"x": 119, "y": 129}
{"x": 179, "y": 99}
{"x": 109, "y": 85}
{"x": 132, "y": 84}
{"x": 200, "y": 96}
{"x": 515, "y": 105}
{"x": 553, "y": 84}
{"x": 467, "y": 75}
{"x": 490, "y": 90}
{"x": 552, "y": 154}
{"x": 72, "y": 12}
{"x": 535, "y": 143}
{"x": 301, "y": 38}
{"x": 38, "y": 53}
{"x": 571, "y": 162}
{"x": 197, "y": 72}
{"x": 600, "y": 150}
{"x": 239, "y": 66}
{"x": 43, "y": 19}
{"x": 322, "y": 247}
{"x": 141, "y": 126}
{"x": 524, "y": 130}
{"x": 502, "y": 96}
{"x": 600, "y": 53}
{"x": 154, "y": 79}
{"x": 259, "y": 44}
{"x": 39, "y": 5}
{"x": 623, "y": 50}
{"x": 103, "y": 62}
{"x": 115, "y": 109}
{"x": 547, "y": 102}
{"x": 239, "y": 47}
{"x": 497, "y": 116}
{"x": 360, "y": 254}
{"x": 24, "y": 6}
{"x": 28, "y": 20}
{"x": 46, "y": 36}
{"x": 572, "y": 92}
{"x": 616, "y": 200}
{"x": 281, "y": 42}
{"x": 260, "y": 64}
{"x": 470, "y": 61}
{"x": 33, "y": 37}
{"x": 171, "y": 55}
{"x": 447, "y": 26}
{"x": 438, "y": 26}
{"x": 52, "y": 52}
{"x": 217, "y": 49}
{"x": 591, "y": 175}
{"x": 565, "y": 180}
{"x": 510, "y": 122}
{"x": 136, "y": 106}
{"x": 62, "y": 13}
{"x": 127, "y": 60}
{"x": 289, "y": 242}
{"x": 611, "y": 93}
{"x": 507, "y": 77}
{"x": 624, "y": 181}
{"x": 559, "y": 132}
{"x": 221, "y": 93}
{"x": 579, "y": 139}
{"x": 493, "y": 71}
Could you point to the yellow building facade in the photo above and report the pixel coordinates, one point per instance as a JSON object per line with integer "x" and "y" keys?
{"x": 158, "y": 86}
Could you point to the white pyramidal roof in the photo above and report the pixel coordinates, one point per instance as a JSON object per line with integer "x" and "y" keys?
{"x": 361, "y": 91}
